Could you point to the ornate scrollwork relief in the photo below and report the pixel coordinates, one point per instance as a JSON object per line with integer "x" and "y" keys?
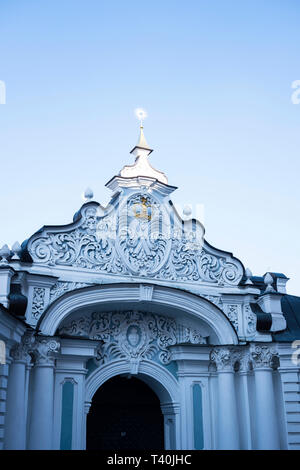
{"x": 231, "y": 359}
{"x": 263, "y": 356}
{"x": 132, "y": 335}
{"x": 38, "y": 302}
{"x": 136, "y": 239}
{"x": 232, "y": 313}
{"x": 20, "y": 353}
{"x": 215, "y": 299}
{"x": 42, "y": 349}
{"x": 250, "y": 319}
{"x": 61, "y": 287}
{"x": 140, "y": 237}
{"x": 224, "y": 358}
{"x": 188, "y": 262}
{"x": 86, "y": 246}
{"x": 216, "y": 268}
{"x": 244, "y": 359}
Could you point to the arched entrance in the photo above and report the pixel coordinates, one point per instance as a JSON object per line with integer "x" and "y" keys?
{"x": 125, "y": 414}
{"x": 174, "y": 391}
{"x": 160, "y": 381}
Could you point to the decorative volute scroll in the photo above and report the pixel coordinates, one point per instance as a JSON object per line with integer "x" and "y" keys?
{"x": 224, "y": 358}
{"x": 139, "y": 234}
{"x": 45, "y": 350}
{"x": 263, "y": 356}
{"x": 42, "y": 349}
{"x": 133, "y": 335}
{"x": 20, "y": 353}
{"x": 231, "y": 359}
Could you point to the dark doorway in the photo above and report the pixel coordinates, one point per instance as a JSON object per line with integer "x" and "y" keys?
{"x": 125, "y": 414}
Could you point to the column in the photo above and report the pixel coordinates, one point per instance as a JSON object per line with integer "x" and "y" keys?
{"x": 27, "y": 381}
{"x": 41, "y": 423}
{"x": 186, "y": 425}
{"x": 87, "y": 406}
{"x": 267, "y": 436}
{"x": 169, "y": 411}
{"x": 4, "y": 371}
{"x": 228, "y": 429}
{"x": 15, "y": 426}
{"x": 243, "y": 390}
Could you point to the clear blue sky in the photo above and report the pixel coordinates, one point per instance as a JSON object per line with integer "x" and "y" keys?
{"x": 215, "y": 77}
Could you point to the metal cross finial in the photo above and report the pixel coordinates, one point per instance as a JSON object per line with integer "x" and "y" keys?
{"x": 141, "y": 114}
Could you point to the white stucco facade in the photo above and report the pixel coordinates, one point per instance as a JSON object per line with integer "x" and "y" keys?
{"x": 133, "y": 290}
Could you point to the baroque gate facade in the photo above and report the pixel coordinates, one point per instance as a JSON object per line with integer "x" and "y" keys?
{"x": 134, "y": 290}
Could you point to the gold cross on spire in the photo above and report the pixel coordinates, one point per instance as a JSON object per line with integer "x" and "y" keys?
{"x": 141, "y": 114}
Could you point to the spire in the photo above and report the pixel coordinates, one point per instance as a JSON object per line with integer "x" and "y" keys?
{"x": 142, "y": 143}
{"x": 141, "y": 151}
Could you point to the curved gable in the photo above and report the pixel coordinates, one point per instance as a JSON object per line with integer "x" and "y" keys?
{"x": 138, "y": 234}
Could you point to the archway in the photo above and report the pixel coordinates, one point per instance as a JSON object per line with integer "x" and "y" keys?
{"x": 185, "y": 308}
{"x": 125, "y": 414}
{"x": 158, "y": 299}
{"x": 162, "y": 383}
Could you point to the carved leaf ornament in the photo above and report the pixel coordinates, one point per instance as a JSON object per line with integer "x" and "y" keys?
{"x": 132, "y": 335}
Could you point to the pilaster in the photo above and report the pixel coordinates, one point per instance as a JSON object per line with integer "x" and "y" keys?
{"x": 228, "y": 428}
{"x": 266, "y": 435}
{"x": 38, "y": 293}
{"x": 15, "y": 427}
{"x": 192, "y": 370}
{"x": 71, "y": 366}
{"x": 289, "y": 372}
{"x": 41, "y": 424}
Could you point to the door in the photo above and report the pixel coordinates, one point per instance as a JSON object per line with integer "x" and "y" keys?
{"x": 125, "y": 414}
